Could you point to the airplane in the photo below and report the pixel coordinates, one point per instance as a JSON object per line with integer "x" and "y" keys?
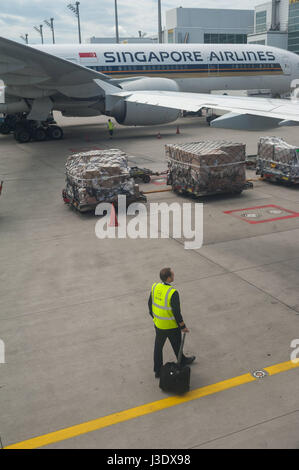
{"x": 141, "y": 84}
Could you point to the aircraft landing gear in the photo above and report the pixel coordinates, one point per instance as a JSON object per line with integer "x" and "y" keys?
{"x": 23, "y": 135}
{"x": 8, "y": 124}
{"x": 25, "y": 130}
{"x": 211, "y": 118}
{"x": 55, "y": 132}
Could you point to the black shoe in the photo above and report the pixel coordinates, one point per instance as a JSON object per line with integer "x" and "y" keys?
{"x": 188, "y": 360}
{"x": 157, "y": 375}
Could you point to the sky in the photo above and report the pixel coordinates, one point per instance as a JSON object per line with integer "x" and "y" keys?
{"x": 18, "y": 17}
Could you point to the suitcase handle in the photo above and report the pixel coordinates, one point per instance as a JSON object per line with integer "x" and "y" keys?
{"x": 181, "y": 349}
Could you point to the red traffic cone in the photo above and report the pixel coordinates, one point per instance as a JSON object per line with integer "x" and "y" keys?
{"x": 178, "y": 130}
{"x": 159, "y": 136}
{"x": 113, "y": 218}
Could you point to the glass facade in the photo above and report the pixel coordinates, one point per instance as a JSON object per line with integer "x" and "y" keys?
{"x": 293, "y": 41}
{"x": 261, "y": 21}
{"x": 225, "y": 38}
{"x": 262, "y": 42}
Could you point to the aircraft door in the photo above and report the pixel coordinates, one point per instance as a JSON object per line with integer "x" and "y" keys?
{"x": 2, "y": 92}
{"x": 286, "y": 65}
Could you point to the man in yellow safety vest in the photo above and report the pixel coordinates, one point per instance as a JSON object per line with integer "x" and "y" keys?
{"x": 164, "y": 308}
{"x": 111, "y": 128}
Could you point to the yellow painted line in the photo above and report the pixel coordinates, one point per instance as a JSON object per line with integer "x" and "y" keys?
{"x": 285, "y": 366}
{"x": 146, "y": 409}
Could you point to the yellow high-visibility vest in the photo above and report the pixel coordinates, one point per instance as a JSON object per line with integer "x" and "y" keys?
{"x": 161, "y": 306}
{"x": 110, "y": 125}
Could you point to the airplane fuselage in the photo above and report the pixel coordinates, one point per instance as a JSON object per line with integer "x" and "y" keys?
{"x": 194, "y": 67}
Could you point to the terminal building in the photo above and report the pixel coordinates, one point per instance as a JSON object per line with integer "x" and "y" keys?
{"x": 198, "y": 26}
{"x": 276, "y": 23}
{"x": 208, "y": 25}
{"x": 293, "y": 36}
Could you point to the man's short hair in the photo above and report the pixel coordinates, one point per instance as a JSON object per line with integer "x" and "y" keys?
{"x": 165, "y": 273}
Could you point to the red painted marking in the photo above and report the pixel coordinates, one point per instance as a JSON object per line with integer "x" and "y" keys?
{"x": 254, "y": 222}
{"x": 85, "y": 55}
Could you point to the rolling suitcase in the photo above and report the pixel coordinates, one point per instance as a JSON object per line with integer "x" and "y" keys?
{"x": 174, "y": 377}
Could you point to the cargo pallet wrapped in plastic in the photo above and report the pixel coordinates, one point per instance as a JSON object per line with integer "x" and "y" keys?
{"x": 277, "y": 160}
{"x": 99, "y": 176}
{"x": 207, "y": 167}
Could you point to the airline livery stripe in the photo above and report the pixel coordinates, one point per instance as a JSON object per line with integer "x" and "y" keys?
{"x": 189, "y": 69}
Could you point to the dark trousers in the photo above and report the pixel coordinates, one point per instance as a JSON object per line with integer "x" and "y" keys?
{"x": 175, "y": 338}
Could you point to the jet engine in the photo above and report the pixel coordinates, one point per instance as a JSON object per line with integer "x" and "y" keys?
{"x": 14, "y": 107}
{"x": 135, "y": 114}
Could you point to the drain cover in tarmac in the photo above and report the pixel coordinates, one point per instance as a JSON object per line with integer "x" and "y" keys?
{"x": 263, "y": 214}
{"x": 260, "y": 374}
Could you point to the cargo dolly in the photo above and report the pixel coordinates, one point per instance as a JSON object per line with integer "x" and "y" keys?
{"x": 278, "y": 173}
{"x": 195, "y": 191}
{"x": 277, "y": 161}
{"x": 83, "y": 208}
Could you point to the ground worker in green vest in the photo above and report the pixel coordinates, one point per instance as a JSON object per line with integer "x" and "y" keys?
{"x": 164, "y": 308}
{"x": 111, "y": 128}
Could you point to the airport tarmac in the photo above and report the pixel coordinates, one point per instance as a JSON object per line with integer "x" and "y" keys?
{"x": 74, "y": 316}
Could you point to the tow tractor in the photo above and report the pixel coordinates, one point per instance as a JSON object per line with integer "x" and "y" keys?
{"x": 143, "y": 174}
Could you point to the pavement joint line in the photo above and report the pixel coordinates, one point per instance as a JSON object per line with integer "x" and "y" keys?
{"x": 227, "y": 271}
{"x": 266, "y": 264}
{"x": 106, "y": 299}
{"x": 244, "y": 429}
{"x": 149, "y": 408}
{"x": 267, "y": 293}
{"x": 251, "y": 237}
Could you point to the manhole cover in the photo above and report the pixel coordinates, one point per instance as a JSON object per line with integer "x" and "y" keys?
{"x": 250, "y": 216}
{"x": 259, "y": 374}
{"x": 275, "y": 212}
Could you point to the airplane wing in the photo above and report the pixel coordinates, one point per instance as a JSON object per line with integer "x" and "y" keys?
{"x": 277, "y": 109}
{"x": 40, "y": 74}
